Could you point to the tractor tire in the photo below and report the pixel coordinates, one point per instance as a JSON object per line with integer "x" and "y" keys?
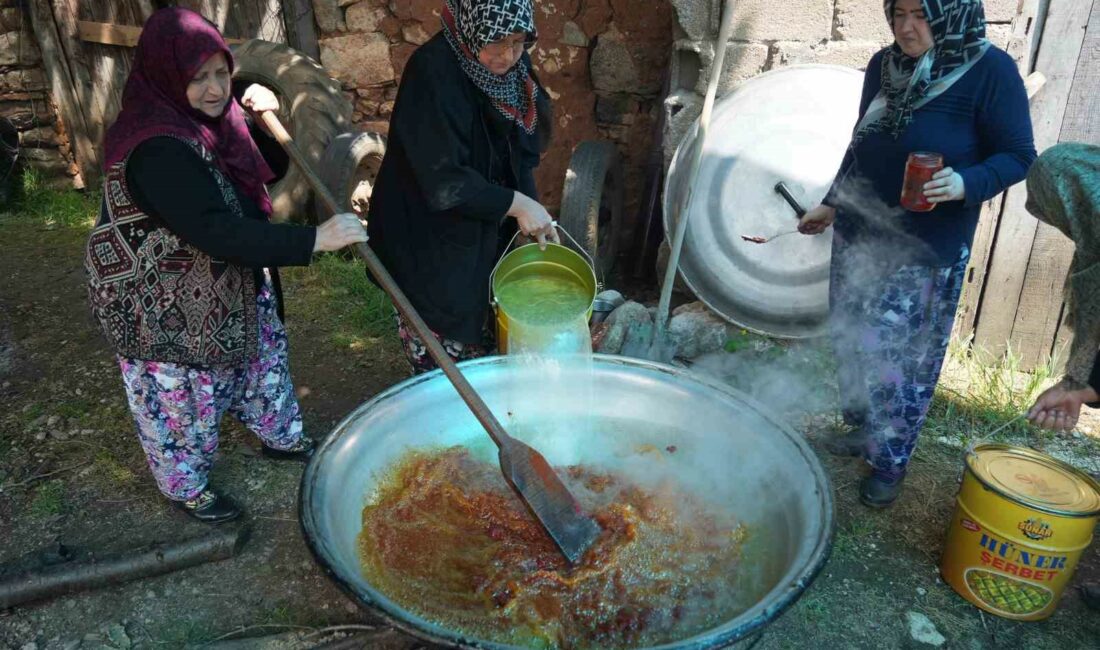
{"x": 348, "y": 169}
{"x": 592, "y": 202}
{"x": 311, "y": 106}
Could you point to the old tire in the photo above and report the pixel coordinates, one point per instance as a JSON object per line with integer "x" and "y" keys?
{"x": 348, "y": 169}
{"x": 312, "y": 107}
{"x": 592, "y": 201}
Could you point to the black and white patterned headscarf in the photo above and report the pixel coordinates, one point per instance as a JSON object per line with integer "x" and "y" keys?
{"x": 470, "y": 25}
{"x": 958, "y": 35}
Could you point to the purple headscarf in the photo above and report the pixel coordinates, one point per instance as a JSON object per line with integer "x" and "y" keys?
{"x": 174, "y": 44}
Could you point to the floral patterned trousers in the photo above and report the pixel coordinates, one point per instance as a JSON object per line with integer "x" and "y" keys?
{"x": 891, "y": 329}
{"x": 417, "y": 353}
{"x": 178, "y": 408}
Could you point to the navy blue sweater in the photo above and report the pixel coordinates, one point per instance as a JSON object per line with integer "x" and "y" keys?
{"x": 981, "y": 125}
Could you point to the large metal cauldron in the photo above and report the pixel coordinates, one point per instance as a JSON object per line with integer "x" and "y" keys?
{"x": 613, "y": 413}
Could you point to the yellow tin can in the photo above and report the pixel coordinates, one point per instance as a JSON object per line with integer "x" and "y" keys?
{"x": 1021, "y": 523}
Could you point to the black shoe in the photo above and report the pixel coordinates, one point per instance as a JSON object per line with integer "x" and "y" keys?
{"x": 875, "y": 492}
{"x": 1091, "y": 595}
{"x": 210, "y": 507}
{"x": 301, "y": 452}
{"x": 855, "y": 418}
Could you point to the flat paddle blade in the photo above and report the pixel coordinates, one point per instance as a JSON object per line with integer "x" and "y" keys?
{"x": 548, "y": 499}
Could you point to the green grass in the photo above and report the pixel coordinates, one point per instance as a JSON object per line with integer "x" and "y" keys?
{"x": 995, "y": 392}
{"x": 49, "y": 500}
{"x": 37, "y": 204}
{"x": 335, "y": 293}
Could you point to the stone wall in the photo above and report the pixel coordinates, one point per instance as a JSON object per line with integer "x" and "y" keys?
{"x": 602, "y": 61}
{"x": 769, "y": 34}
{"x": 25, "y": 103}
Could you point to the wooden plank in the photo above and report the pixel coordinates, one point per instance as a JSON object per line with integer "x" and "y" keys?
{"x": 977, "y": 269}
{"x": 1082, "y": 121}
{"x": 120, "y": 35}
{"x": 1041, "y": 299}
{"x": 1063, "y": 34}
{"x": 63, "y": 88}
{"x": 1024, "y": 33}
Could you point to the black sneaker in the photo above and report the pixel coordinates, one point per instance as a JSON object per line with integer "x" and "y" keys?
{"x": 877, "y": 492}
{"x": 210, "y": 507}
{"x": 301, "y": 451}
{"x": 1090, "y": 593}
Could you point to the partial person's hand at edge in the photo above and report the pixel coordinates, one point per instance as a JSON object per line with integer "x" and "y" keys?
{"x": 817, "y": 220}
{"x": 339, "y": 231}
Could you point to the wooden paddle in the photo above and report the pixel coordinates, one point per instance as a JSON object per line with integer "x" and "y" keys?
{"x": 525, "y": 469}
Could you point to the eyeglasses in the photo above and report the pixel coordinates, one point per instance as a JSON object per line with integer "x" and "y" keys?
{"x": 509, "y": 46}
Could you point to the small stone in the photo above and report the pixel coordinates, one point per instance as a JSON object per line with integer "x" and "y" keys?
{"x": 29, "y": 646}
{"x": 350, "y": 608}
{"x": 415, "y": 34}
{"x": 358, "y": 59}
{"x": 59, "y": 435}
{"x": 27, "y": 408}
{"x": 573, "y": 35}
{"x": 696, "y": 331}
{"x": 150, "y": 594}
{"x": 362, "y": 17}
{"x": 922, "y": 591}
{"x": 922, "y": 630}
{"x": 117, "y": 634}
{"x": 40, "y": 436}
{"x": 71, "y": 644}
{"x": 53, "y": 420}
{"x": 87, "y": 432}
{"x": 630, "y": 316}
{"x": 612, "y": 66}
{"x": 7, "y": 385}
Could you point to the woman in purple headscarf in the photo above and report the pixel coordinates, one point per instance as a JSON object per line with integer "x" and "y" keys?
{"x": 182, "y": 263}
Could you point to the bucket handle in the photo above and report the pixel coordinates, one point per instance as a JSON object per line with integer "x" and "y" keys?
{"x": 976, "y": 442}
{"x": 508, "y": 248}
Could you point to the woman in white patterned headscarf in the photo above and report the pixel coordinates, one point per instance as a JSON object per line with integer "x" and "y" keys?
{"x": 897, "y": 274}
{"x": 468, "y": 127}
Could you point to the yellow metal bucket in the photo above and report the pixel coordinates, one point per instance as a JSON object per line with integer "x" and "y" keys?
{"x": 1021, "y": 523}
{"x": 528, "y": 260}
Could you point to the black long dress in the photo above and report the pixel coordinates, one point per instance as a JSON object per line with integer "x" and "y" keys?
{"x": 438, "y": 210}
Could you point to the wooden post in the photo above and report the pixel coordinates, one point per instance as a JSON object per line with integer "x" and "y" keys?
{"x": 63, "y": 87}
{"x": 1021, "y": 303}
{"x": 301, "y": 32}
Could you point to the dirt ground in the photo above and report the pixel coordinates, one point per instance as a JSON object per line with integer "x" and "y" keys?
{"x": 71, "y": 472}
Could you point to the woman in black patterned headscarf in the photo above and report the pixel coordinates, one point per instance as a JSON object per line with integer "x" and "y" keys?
{"x": 468, "y": 127}
{"x": 897, "y": 274}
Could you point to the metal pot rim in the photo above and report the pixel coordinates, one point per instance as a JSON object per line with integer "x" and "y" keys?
{"x": 719, "y": 637}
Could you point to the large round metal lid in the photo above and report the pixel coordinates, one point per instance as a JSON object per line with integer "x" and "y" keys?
{"x": 1035, "y": 480}
{"x": 791, "y": 125}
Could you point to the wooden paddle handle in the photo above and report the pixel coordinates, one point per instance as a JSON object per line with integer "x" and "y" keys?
{"x": 374, "y": 265}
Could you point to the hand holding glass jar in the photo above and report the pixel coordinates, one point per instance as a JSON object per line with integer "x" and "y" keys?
{"x": 928, "y": 182}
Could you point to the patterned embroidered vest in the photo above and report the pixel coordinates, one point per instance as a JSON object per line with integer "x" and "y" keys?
{"x": 158, "y": 298}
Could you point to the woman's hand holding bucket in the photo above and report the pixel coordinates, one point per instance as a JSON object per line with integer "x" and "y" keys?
{"x": 534, "y": 221}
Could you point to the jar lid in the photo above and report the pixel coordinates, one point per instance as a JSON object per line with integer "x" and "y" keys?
{"x": 1035, "y": 480}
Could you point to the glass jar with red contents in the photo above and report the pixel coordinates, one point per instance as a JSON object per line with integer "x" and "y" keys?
{"x": 918, "y": 171}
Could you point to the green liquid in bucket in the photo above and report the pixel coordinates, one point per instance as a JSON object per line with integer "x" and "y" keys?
{"x": 544, "y": 299}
